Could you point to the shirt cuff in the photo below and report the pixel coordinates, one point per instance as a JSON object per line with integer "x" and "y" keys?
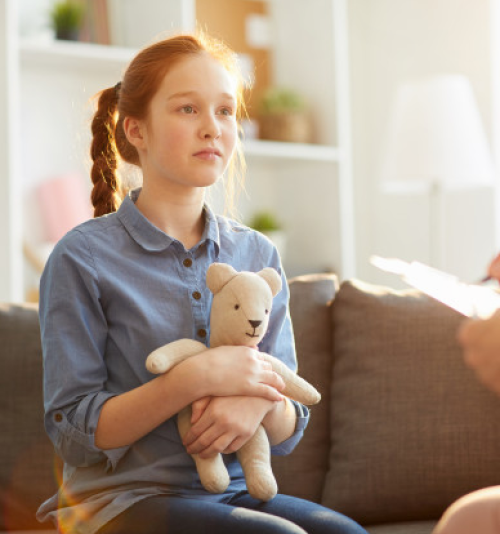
{"x": 287, "y": 446}
{"x": 76, "y": 434}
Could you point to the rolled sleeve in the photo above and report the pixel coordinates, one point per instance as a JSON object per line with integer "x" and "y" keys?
{"x": 74, "y": 334}
{"x": 73, "y": 433}
{"x": 287, "y": 446}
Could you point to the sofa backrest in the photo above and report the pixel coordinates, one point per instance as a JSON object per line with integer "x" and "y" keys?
{"x": 27, "y": 460}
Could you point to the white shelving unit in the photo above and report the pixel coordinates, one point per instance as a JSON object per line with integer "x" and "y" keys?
{"x": 308, "y": 186}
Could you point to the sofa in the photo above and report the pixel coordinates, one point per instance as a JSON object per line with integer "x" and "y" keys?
{"x": 403, "y": 428}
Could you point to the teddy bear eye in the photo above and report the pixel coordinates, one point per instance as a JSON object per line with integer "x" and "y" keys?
{"x": 236, "y": 306}
{"x": 267, "y": 311}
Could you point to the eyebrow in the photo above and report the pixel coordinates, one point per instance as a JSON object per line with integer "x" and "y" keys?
{"x": 183, "y": 94}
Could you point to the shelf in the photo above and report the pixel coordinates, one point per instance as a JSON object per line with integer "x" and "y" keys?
{"x": 291, "y": 151}
{"x": 69, "y": 54}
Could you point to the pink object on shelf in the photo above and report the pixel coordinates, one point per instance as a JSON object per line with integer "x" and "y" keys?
{"x": 64, "y": 203}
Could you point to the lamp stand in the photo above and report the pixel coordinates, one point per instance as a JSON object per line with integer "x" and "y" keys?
{"x": 437, "y": 225}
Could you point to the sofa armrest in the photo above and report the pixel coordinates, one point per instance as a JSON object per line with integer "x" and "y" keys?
{"x": 27, "y": 460}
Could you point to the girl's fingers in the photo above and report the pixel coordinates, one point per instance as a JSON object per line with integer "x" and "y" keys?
{"x": 268, "y": 392}
{"x": 219, "y": 445}
{"x": 274, "y": 379}
{"x": 196, "y": 431}
{"x": 198, "y": 407}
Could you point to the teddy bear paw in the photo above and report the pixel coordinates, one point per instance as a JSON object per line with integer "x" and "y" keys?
{"x": 264, "y": 488}
{"x": 156, "y": 363}
{"x": 213, "y": 473}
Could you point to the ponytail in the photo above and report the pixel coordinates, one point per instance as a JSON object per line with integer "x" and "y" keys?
{"x": 106, "y": 194}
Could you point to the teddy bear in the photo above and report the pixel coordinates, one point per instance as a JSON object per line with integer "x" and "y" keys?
{"x": 239, "y": 315}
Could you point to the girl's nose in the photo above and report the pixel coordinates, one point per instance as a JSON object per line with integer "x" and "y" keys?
{"x": 210, "y": 128}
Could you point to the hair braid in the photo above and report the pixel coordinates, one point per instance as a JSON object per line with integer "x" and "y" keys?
{"x": 105, "y": 195}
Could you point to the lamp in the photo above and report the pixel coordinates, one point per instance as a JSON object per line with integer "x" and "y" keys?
{"x": 436, "y": 142}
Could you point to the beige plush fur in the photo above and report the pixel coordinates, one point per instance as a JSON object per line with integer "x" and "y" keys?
{"x": 240, "y": 314}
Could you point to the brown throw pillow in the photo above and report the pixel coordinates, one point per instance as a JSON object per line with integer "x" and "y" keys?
{"x": 412, "y": 429}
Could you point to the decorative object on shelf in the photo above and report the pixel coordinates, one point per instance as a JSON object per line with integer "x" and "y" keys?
{"x": 436, "y": 143}
{"x": 266, "y": 223}
{"x": 67, "y": 17}
{"x": 64, "y": 202}
{"x": 283, "y": 116}
{"x": 95, "y": 27}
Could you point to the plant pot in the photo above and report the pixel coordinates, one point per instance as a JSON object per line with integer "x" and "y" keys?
{"x": 292, "y": 127}
{"x": 65, "y": 34}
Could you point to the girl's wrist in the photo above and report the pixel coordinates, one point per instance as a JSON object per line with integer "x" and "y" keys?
{"x": 187, "y": 377}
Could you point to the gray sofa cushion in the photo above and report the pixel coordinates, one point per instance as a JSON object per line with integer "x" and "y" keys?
{"x": 412, "y": 428}
{"x": 27, "y": 467}
{"x": 303, "y": 472}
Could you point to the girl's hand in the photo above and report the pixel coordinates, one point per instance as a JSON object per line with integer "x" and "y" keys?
{"x": 481, "y": 342}
{"x": 224, "y": 424}
{"x": 229, "y": 371}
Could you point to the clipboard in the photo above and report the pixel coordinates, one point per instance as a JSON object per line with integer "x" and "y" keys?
{"x": 471, "y": 300}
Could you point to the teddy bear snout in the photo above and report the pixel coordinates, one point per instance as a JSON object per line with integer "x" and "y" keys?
{"x": 255, "y": 324}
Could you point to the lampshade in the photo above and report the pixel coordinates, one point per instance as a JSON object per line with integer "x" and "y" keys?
{"x": 436, "y": 135}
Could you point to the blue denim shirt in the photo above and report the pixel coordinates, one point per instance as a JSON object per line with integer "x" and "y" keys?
{"x": 114, "y": 289}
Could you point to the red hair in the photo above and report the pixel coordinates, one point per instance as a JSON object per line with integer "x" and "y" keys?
{"x": 131, "y": 98}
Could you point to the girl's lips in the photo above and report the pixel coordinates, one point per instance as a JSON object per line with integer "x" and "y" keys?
{"x": 208, "y": 154}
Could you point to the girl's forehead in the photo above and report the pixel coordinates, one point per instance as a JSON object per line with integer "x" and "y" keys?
{"x": 199, "y": 73}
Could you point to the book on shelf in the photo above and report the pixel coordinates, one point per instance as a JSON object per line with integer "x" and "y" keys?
{"x": 96, "y": 25}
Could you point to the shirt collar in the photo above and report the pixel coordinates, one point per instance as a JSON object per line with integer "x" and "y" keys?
{"x": 151, "y": 238}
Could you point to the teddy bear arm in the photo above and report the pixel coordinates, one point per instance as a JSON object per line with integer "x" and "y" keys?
{"x": 296, "y": 387}
{"x": 167, "y": 356}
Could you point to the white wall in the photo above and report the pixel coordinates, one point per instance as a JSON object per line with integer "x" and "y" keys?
{"x": 392, "y": 41}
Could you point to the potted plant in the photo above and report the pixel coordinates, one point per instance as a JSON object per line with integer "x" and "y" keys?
{"x": 67, "y": 19}
{"x": 283, "y": 116}
{"x": 266, "y": 222}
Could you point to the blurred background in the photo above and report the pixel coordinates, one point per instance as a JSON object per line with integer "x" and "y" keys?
{"x": 373, "y": 125}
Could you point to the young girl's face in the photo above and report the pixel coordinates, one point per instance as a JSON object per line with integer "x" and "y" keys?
{"x": 191, "y": 130}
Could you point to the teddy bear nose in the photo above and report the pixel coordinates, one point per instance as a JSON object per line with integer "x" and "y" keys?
{"x": 255, "y": 324}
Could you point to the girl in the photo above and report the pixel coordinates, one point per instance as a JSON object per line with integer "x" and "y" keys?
{"x": 121, "y": 285}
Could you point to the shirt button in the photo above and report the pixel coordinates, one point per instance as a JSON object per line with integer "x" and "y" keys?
{"x": 196, "y": 295}
{"x": 188, "y": 262}
{"x": 202, "y": 333}
{"x": 58, "y": 417}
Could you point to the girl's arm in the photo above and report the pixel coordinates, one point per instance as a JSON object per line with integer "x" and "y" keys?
{"x": 127, "y": 417}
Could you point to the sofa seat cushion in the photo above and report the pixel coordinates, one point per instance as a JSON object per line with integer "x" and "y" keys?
{"x": 412, "y": 429}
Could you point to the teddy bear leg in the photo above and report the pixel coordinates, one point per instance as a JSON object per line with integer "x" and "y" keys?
{"x": 255, "y": 459}
{"x": 212, "y": 471}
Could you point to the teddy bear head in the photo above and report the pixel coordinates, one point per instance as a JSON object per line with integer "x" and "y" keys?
{"x": 241, "y": 305}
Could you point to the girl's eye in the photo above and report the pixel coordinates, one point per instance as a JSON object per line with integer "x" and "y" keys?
{"x": 236, "y": 306}
{"x": 187, "y": 109}
{"x": 226, "y": 111}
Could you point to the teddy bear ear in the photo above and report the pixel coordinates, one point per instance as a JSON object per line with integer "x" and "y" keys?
{"x": 273, "y": 279}
{"x": 218, "y": 275}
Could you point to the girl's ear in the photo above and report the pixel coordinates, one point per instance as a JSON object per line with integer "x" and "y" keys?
{"x": 134, "y": 130}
